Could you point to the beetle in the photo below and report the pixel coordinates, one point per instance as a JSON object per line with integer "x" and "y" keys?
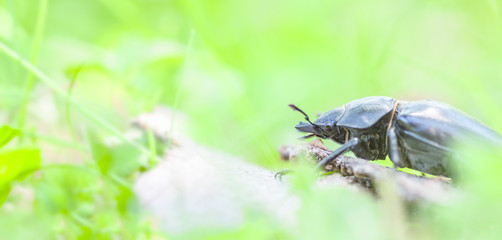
{"x": 414, "y": 134}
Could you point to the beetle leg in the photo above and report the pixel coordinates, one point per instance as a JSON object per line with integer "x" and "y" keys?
{"x": 393, "y": 148}
{"x": 278, "y": 175}
{"x": 339, "y": 151}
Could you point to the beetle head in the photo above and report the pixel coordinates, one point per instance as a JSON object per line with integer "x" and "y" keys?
{"x": 324, "y": 127}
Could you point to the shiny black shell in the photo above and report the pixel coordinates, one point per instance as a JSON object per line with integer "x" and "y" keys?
{"x": 424, "y": 131}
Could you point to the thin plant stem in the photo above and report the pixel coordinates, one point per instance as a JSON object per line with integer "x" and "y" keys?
{"x": 67, "y": 107}
{"x": 152, "y": 145}
{"x": 179, "y": 89}
{"x": 57, "y": 141}
{"x": 40, "y": 21}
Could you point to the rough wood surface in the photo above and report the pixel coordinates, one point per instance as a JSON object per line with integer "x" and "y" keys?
{"x": 365, "y": 174}
{"x": 196, "y": 187}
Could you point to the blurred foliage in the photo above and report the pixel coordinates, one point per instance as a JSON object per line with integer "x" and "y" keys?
{"x": 233, "y": 66}
{"x": 15, "y": 164}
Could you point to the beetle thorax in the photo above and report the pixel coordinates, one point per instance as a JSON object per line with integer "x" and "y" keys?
{"x": 372, "y": 140}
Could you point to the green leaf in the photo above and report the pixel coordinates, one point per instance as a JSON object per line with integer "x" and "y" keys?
{"x": 16, "y": 165}
{"x": 100, "y": 153}
{"x": 119, "y": 159}
{"x": 4, "y": 192}
{"x": 6, "y": 134}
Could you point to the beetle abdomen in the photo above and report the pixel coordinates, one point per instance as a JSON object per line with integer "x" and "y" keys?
{"x": 426, "y": 131}
{"x": 442, "y": 124}
{"x": 422, "y": 155}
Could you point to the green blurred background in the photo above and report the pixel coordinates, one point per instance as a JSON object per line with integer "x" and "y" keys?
{"x": 233, "y": 66}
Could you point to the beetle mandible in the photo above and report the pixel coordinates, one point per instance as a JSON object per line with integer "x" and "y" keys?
{"x": 415, "y": 134}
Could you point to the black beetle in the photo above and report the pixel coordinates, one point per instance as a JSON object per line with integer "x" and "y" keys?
{"x": 415, "y": 134}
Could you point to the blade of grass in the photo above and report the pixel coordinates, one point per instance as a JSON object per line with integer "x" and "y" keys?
{"x": 63, "y": 94}
{"x": 152, "y": 146}
{"x": 67, "y": 107}
{"x": 42, "y": 13}
{"x": 178, "y": 90}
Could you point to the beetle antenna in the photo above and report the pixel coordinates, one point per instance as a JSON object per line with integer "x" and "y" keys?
{"x": 295, "y": 108}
